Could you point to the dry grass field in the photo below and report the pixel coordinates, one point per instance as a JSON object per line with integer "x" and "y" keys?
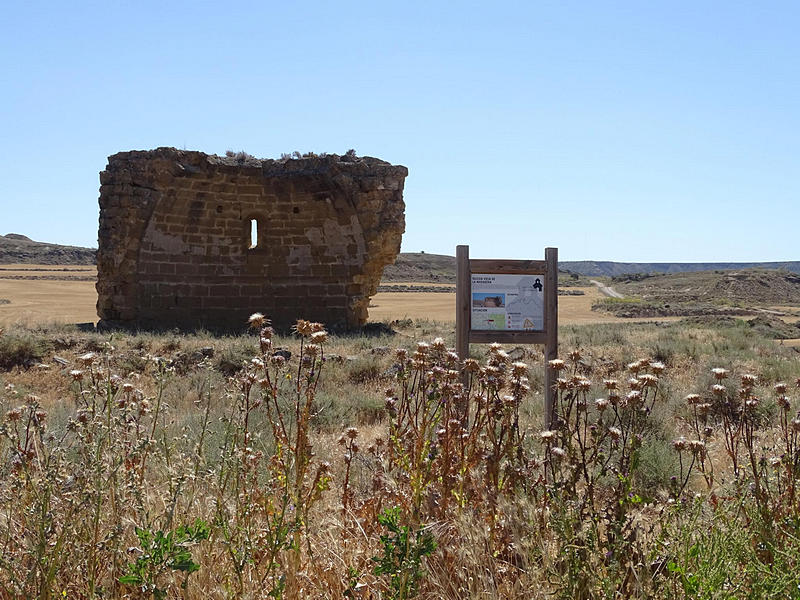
{"x": 572, "y": 310}
{"x": 66, "y": 294}
{"x": 37, "y": 293}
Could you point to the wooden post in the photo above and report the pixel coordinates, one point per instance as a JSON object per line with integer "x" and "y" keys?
{"x": 463, "y": 324}
{"x": 463, "y": 286}
{"x": 551, "y": 326}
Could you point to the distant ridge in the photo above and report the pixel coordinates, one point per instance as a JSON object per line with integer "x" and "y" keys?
{"x": 421, "y": 266}
{"x": 16, "y": 248}
{"x": 596, "y": 268}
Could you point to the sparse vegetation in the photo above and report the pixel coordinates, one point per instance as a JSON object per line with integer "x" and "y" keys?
{"x": 632, "y": 306}
{"x": 240, "y": 157}
{"x": 21, "y": 348}
{"x": 350, "y": 469}
{"x": 747, "y": 287}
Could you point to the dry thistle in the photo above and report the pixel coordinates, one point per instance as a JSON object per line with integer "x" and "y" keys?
{"x": 719, "y": 373}
{"x": 748, "y": 380}
{"x": 648, "y": 380}
{"x": 87, "y": 359}
{"x": 718, "y": 390}
{"x": 303, "y": 327}
{"x": 471, "y": 365}
{"x": 635, "y": 366}
{"x": 698, "y": 447}
{"x": 679, "y": 444}
{"x": 319, "y": 337}
{"x": 693, "y": 399}
{"x": 633, "y": 397}
{"x": 257, "y": 321}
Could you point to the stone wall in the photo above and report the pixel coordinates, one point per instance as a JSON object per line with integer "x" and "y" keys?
{"x": 175, "y": 238}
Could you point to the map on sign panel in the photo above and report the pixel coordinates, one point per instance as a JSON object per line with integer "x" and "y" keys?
{"x": 508, "y": 302}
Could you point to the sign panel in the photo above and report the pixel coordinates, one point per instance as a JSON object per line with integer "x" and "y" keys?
{"x": 507, "y": 302}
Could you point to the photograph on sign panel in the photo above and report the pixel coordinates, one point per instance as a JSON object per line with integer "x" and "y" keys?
{"x": 509, "y": 302}
{"x": 489, "y": 300}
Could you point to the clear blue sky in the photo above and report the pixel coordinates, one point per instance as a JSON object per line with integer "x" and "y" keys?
{"x": 633, "y": 131}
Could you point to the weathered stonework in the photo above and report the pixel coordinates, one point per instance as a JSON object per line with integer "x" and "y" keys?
{"x": 175, "y": 232}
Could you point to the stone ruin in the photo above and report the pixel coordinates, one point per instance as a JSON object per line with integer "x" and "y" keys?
{"x": 191, "y": 240}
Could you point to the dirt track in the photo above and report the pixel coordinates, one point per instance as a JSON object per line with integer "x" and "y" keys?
{"x": 605, "y": 290}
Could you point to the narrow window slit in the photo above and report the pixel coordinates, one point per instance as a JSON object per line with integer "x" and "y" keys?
{"x": 253, "y": 233}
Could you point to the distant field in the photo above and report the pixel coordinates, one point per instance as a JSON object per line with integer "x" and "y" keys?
{"x": 53, "y": 273}
{"x": 66, "y": 294}
{"x": 572, "y": 310}
{"x": 41, "y": 293}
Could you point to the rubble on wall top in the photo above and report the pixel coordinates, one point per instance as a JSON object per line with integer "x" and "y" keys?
{"x": 293, "y": 164}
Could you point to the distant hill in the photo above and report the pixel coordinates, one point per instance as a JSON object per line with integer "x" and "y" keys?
{"x": 746, "y": 286}
{"x": 421, "y": 266}
{"x": 19, "y": 249}
{"x": 596, "y": 268}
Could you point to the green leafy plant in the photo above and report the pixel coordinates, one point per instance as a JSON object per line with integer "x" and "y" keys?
{"x": 162, "y": 553}
{"x": 403, "y": 551}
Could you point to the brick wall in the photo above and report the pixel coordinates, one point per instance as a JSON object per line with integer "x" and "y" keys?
{"x": 175, "y": 236}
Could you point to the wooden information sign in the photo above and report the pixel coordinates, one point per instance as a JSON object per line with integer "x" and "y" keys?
{"x": 509, "y": 301}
